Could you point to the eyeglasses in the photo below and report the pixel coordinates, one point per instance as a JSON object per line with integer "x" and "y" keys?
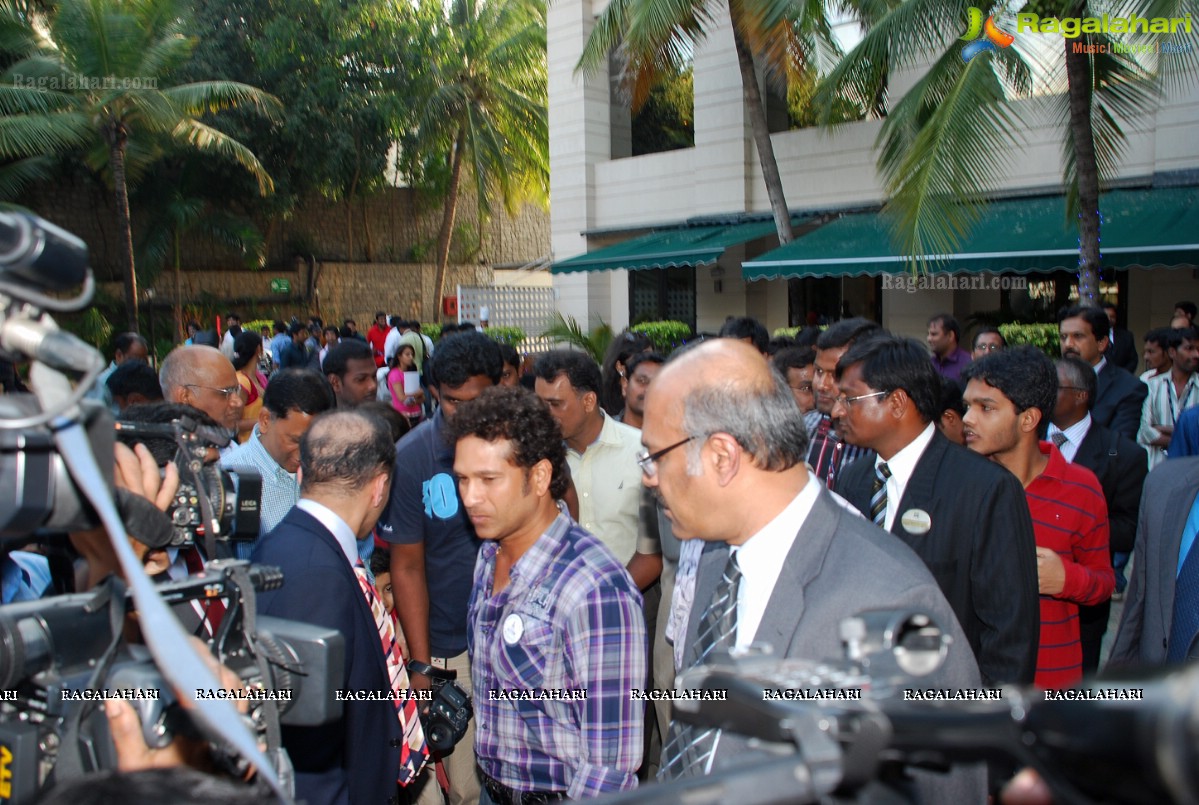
{"x": 848, "y": 401}
{"x": 648, "y": 462}
{"x": 989, "y": 347}
{"x": 227, "y": 393}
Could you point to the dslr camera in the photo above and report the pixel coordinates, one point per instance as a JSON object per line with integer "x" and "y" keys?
{"x": 446, "y": 718}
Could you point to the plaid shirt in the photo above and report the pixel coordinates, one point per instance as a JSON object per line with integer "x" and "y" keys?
{"x": 570, "y": 620}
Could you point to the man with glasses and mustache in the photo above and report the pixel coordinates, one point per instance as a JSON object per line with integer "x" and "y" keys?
{"x": 205, "y": 379}
{"x": 963, "y": 515}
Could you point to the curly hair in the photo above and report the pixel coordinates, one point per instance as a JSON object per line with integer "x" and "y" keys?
{"x": 520, "y": 417}
{"x": 1023, "y": 374}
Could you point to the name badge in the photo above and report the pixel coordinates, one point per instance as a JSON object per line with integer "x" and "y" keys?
{"x": 514, "y": 627}
{"x": 916, "y": 521}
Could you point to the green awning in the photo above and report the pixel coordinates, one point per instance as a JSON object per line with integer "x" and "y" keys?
{"x": 1158, "y": 227}
{"x": 668, "y": 248}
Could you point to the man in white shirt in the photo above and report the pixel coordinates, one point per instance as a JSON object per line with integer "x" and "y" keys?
{"x": 602, "y": 455}
{"x": 1170, "y": 393}
{"x": 784, "y": 564}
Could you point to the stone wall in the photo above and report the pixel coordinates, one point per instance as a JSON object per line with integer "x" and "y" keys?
{"x": 342, "y": 290}
{"x": 393, "y": 226}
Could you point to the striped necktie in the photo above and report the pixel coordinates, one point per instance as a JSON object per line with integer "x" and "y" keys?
{"x": 878, "y": 494}
{"x": 689, "y": 748}
{"x": 1058, "y": 439}
{"x": 415, "y": 750}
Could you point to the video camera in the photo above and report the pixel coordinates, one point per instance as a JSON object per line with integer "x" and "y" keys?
{"x": 447, "y": 717}
{"x": 59, "y": 655}
{"x": 231, "y": 499}
{"x": 1138, "y": 743}
{"x": 62, "y": 657}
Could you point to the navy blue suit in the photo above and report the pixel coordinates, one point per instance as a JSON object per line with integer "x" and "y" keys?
{"x": 353, "y": 761}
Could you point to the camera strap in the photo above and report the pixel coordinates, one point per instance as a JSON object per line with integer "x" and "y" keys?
{"x": 70, "y": 759}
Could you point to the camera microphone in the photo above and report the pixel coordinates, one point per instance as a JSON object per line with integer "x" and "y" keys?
{"x": 42, "y": 341}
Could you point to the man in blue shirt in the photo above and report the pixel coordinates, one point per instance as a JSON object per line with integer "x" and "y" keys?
{"x": 433, "y": 544}
{"x": 292, "y": 399}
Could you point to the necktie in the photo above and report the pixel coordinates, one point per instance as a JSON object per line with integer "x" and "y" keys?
{"x": 689, "y": 748}
{"x": 1185, "y": 622}
{"x": 415, "y": 750}
{"x": 878, "y": 495}
{"x": 819, "y": 455}
{"x": 1058, "y": 439}
{"x": 212, "y": 611}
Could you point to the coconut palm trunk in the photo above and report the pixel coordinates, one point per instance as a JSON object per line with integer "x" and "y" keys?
{"x": 1078, "y": 76}
{"x": 447, "y": 222}
{"x": 117, "y": 139}
{"x": 761, "y": 132}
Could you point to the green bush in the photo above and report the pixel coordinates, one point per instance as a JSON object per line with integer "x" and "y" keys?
{"x": 666, "y": 336}
{"x": 513, "y": 336}
{"x": 1044, "y": 337}
{"x": 431, "y": 329}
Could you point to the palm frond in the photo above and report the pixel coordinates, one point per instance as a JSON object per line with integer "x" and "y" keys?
{"x": 32, "y": 135}
{"x": 213, "y": 96}
{"x": 567, "y": 330}
{"x": 205, "y": 138}
{"x": 16, "y": 176}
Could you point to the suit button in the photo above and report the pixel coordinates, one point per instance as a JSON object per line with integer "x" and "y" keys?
{"x": 395, "y": 742}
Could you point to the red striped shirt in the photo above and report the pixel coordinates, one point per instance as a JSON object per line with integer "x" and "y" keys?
{"x": 1069, "y": 516}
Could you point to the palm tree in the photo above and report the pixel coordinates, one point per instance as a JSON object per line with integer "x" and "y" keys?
{"x": 567, "y": 330}
{"x": 943, "y": 146}
{"x": 656, "y": 38}
{"x": 98, "y": 82}
{"x": 486, "y": 108}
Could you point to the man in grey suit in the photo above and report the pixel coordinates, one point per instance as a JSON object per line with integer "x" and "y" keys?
{"x": 724, "y": 450}
{"x": 1168, "y": 520}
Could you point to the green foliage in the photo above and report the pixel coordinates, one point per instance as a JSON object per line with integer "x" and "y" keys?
{"x": 257, "y": 325}
{"x": 431, "y": 329}
{"x": 1044, "y": 337}
{"x": 667, "y": 120}
{"x": 513, "y": 336}
{"x": 667, "y": 336}
{"x": 565, "y": 329}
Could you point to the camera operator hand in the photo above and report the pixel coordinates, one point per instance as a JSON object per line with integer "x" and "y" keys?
{"x": 133, "y": 754}
{"x": 135, "y": 472}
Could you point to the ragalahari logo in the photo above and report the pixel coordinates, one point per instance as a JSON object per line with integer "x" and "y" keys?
{"x": 992, "y": 37}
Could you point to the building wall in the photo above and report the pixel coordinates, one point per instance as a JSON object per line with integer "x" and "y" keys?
{"x": 343, "y": 290}
{"x": 820, "y": 169}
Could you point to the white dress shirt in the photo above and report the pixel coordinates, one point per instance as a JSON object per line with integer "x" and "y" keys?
{"x": 761, "y": 559}
{"x": 338, "y": 527}
{"x": 902, "y": 465}
{"x": 1074, "y": 436}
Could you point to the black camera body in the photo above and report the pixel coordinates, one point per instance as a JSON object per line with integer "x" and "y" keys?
{"x": 60, "y": 659}
{"x": 232, "y": 499}
{"x": 448, "y": 715}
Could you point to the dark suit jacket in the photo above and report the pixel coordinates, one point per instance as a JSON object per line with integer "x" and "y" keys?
{"x": 840, "y": 565}
{"x": 1119, "y": 397}
{"x": 1149, "y": 608}
{"x": 1121, "y": 465}
{"x": 1123, "y": 351}
{"x": 980, "y": 548}
{"x": 356, "y": 759}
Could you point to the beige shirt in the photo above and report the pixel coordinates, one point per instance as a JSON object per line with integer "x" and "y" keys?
{"x": 608, "y": 481}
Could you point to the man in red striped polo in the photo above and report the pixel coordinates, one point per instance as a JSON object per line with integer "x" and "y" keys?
{"x": 1010, "y": 398}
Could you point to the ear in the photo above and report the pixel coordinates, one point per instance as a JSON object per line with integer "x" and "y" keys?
{"x": 264, "y": 421}
{"x": 726, "y": 457}
{"x": 335, "y": 382}
{"x": 155, "y": 562}
{"x": 436, "y": 394}
{"x": 379, "y": 489}
{"x": 1029, "y": 420}
{"x": 898, "y": 403}
{"x": 591, "y": 399}
{"x": 540, "y": 476}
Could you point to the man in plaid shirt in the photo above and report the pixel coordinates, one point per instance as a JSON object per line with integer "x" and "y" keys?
{"x": 557, "y": 638}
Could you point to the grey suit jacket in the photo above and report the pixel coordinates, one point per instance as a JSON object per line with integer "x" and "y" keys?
{"x": 1145, "y": 626}
{"x": 839, "y": 565}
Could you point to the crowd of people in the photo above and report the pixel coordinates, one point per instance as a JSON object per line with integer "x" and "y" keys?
{"x": 563, "y": 534}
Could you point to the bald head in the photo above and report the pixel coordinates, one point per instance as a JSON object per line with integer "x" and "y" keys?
{"x": 727, "y": 386}
{"x": 203, "y": 378}
{"x": 343, "y": 452}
